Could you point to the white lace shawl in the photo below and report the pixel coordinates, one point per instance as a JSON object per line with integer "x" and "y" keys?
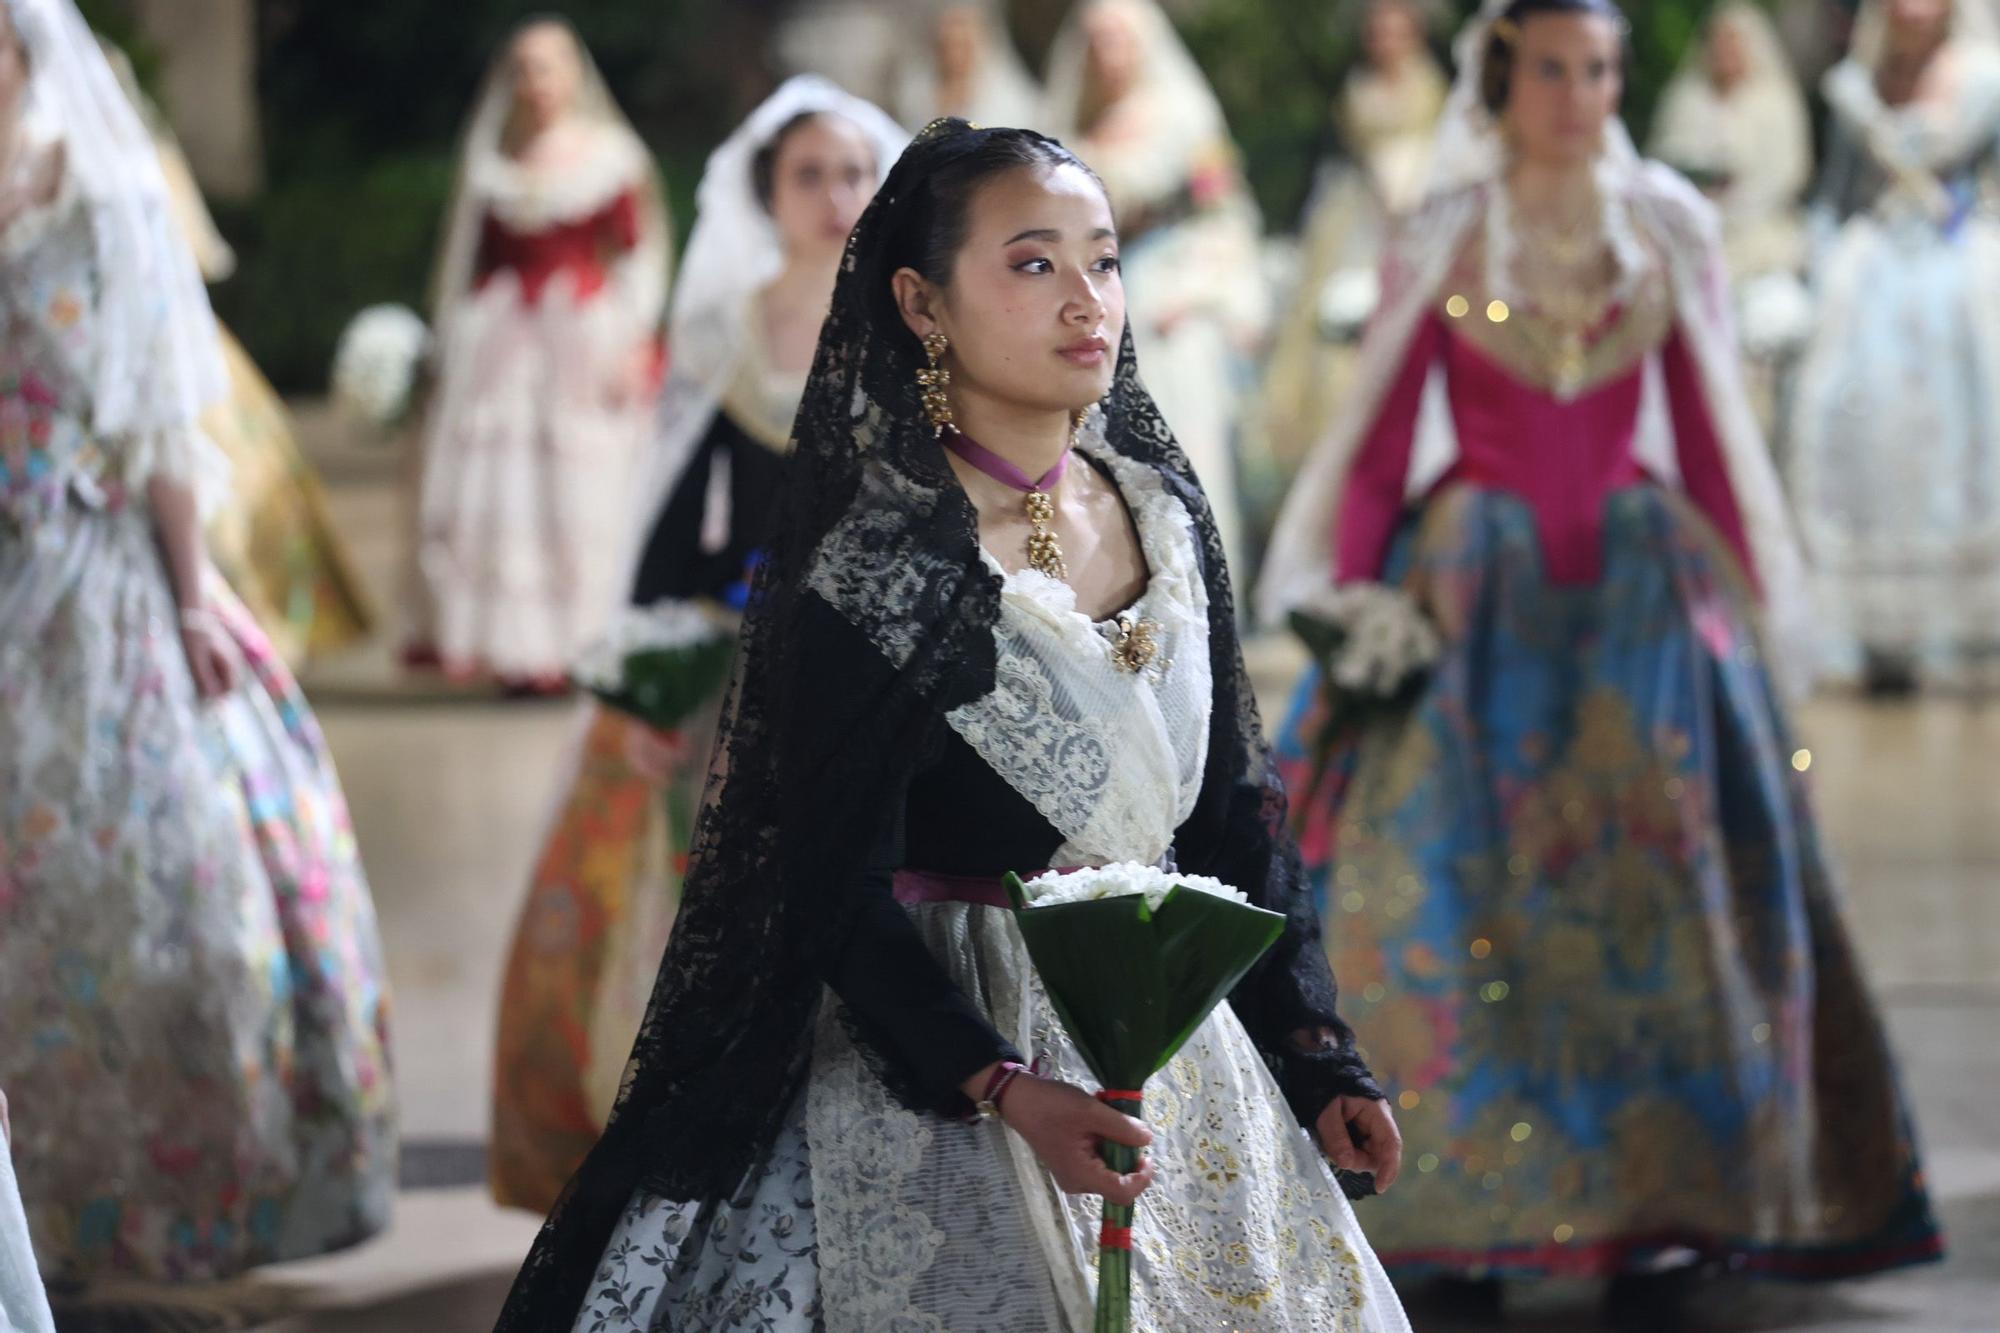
{"x": 1112, "y": 759}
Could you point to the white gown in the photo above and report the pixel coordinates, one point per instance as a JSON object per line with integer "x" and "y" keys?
{"x": 24, "y": 1306}
{"x": 1895, "y": 460}
{"x": 864, "y": 1216}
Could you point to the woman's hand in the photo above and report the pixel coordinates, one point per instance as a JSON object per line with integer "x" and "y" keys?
{"x": 1062, "y": 1124}
{"x": 210, "y": 658}
{"x": 1359, "y": 1134}
{"x": 637, "y": 376}
{"x": 654, "y": 755}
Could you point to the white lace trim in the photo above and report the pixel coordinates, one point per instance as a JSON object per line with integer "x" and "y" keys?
{"x": 1112, "y": 759}
{"x": 527, "y": 200}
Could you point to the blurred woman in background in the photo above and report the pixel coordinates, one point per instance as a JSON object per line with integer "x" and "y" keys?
{"x": 1567, "y": 856}
{"x": 191, "y": 982}
{"x": 775, "y": 205}
{"x": 971, "y": 69}
{"x": 546, "y": 313}
{"x": 1734, "y": 121}
{"x": 1895, "y": 458}
{"x": 1386, "y": 117}
{"x": 1126, "y": 95}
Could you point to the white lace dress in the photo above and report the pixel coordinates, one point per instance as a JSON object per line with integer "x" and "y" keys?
{"x": 865, "y": 1217}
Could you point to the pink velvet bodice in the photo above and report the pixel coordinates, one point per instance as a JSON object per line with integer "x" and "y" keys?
{"x": 1562, "y": 457}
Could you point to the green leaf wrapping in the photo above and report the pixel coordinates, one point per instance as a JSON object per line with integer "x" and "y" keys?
{"x": 663, "y": 687}
{"x": 1132, "y": 984}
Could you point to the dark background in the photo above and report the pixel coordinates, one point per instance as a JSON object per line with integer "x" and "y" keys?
{"x": 361, "y": 102}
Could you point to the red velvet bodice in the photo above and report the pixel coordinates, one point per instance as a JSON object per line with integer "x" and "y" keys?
{"x": 583, "y": 247}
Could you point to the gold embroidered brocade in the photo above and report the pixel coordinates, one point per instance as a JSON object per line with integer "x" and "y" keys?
{"x": 1562, "y": 340}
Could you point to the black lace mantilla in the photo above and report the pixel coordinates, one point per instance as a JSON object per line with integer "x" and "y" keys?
{"x": 873, "y": 616}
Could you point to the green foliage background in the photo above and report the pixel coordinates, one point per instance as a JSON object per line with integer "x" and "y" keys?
{"x": 362, "y": 100}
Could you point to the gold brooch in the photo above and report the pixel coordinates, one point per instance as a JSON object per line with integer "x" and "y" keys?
{"x": 1137, "y": 647}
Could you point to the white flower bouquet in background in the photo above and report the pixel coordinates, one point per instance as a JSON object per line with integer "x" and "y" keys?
{"x": 1775, "y": 315}
{"x": 659, "y": 663}
{"x": 1375, "y": 648}
{"x": 376, "y": 363}
{"x": 1347, "y": 302}
{"x": 1134, "y": 959}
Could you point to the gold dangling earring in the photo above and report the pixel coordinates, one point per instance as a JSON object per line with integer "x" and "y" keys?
{"x": 932, "y": 382}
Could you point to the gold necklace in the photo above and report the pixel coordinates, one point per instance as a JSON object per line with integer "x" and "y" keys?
{"x": 1045, "y": 555}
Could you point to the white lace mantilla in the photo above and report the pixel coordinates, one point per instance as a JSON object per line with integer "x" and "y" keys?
{"x": 1111, "y": 758}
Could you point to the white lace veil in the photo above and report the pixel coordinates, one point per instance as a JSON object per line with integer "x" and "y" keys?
{"x": 1467, "y": 167}
{"x": 485, "y": 137}
{"x": 1975, "y": 21}
{"x": 732, "y": 254}
{"x": 1469, "y": 147}
{"x": 1003, "y": 91}
{"x": 1763, "y": 49}
{"x": 159, "y": 361}
{"x": 1769, "y": 67}
{"x": 212, "y": 253}
{"x": 1169, "y": 78}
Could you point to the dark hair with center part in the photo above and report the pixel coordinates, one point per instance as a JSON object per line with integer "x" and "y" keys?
{"x": 927, "y": 233}
{"x": 764, "y": 165}
{"x": 1496, "y": 71}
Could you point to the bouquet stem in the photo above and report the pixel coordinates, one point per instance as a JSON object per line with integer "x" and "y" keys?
{"x": 1114, "y": 1249}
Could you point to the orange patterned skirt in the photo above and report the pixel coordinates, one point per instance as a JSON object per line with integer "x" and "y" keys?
{"x": 600, "y": 907}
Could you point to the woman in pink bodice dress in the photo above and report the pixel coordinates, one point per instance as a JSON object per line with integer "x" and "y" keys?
{"x": 1570, "y": 865}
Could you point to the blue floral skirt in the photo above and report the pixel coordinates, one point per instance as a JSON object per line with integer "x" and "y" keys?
{"x": 1585, "y": 928}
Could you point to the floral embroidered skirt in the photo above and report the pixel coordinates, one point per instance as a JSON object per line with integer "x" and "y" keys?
{"x": 1585, "y": 929}
{"x": 863, "y": 1216}
{"x": 600, "y": 907}
{"x": 191, "y": 982}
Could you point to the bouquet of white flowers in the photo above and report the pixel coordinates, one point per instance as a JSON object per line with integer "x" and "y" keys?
{"x": 375, "y": 365}
{"x": 1347, "y": 302}
{"x": 659, "y": 663}
{"x": 1134, "y": 959}
{"x": 1775, "y": 315}
{"x": 1375, "y": 647}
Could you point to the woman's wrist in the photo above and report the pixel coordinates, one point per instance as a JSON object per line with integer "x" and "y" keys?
{"x": 200, "y": 618}
{"x": 987, "y": 1090}
{"x": 975, "y": 1087}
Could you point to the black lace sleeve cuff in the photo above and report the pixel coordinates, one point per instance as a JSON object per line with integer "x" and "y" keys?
{"x": 1311, "y": 1080}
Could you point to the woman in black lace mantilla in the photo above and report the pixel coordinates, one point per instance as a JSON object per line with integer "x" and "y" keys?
{"x": 919, "y": 707}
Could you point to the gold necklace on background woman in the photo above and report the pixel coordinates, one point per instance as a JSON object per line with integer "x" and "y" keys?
{"x": 1568, "y": 277}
